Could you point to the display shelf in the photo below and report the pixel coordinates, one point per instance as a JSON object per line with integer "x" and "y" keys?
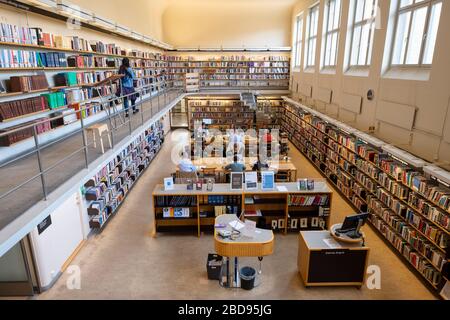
{"x": 349, "y": 160}
{"x": 273, "y": 205}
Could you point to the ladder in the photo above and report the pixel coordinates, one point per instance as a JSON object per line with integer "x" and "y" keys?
{"x": 110, "y": 105}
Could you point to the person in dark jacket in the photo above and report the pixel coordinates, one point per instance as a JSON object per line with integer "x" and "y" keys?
{"x": 128, "y": 86}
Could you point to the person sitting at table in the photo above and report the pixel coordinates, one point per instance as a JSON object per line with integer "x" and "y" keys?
{"x": 235, "y": 166}
{"x": 186, "y": 165}
{"x": 260, "y": 165}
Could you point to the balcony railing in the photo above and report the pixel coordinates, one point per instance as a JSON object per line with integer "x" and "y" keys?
{"x": 31, "y": 176}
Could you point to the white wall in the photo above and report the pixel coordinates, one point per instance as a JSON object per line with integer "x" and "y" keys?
{"x": 430, "y": 135}
{"x": 56, "y": 244}
{"x": 227, "y": 23}
{"x": 144, "y": 16}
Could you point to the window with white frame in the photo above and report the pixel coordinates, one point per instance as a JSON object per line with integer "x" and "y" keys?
{"x": 331, "y": 24}
{"x": 311, "y": 39}
{"x": 362, "y": 32}
{"x": 298, "y": 40}
{"x": 416, "y": 27}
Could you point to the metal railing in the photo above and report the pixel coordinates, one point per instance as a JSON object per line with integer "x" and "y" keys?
{"x": 119, "y": 127}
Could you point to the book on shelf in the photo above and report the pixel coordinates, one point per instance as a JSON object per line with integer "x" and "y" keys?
{"x": 42, "y": 125}
{"x": 17, "y": 108}
{"x": 21, "y": 35}
{"x": 176, "y": 213}
{"x": 316, "y": 200}
{"x": 28, "y": 83}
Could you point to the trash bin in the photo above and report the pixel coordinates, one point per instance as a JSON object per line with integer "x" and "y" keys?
{"x": 214, "y": 266}
{"x": 248, "y": 276}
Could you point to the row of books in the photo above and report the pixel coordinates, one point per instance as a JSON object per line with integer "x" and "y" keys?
{"x": 408, "y": 233}
{"x": 10, "y": 58}
{"x": 422, "y": 265}
{"x": 316, "y": 200}
{"x": 176, "y": 201}
{"x": 10, "y": 33}
{"x": 42, "y": 125}
{"x": 220, "y": 200}
{"x": 21, "y": 35}
{"x": 244, "y": 77}
{"x": 231, "y": 58}
{"x": 28, "y": 83}
{"x": 14, "y": 109}
{"x": 254, "y": 83}
{"x": 176, "y": 213}
{"x": 430, "y": 211}
{"x": 214, "y": 103}
{"x": 88, "y": 61}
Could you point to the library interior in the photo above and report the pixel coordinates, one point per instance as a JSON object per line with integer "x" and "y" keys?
{"x": 212, "y": 149}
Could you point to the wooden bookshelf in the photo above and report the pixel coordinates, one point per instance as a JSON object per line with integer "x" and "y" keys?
{"x": 235, "y": 73}
{"x": 112, "y": 184}
{"x": 226, "y": 111}
{"x": 204, "y": 206}
{"x": 377, "y": 182}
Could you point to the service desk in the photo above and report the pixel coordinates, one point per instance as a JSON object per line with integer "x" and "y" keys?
{"x": 323, "y": 261}
{"x": 260, "y": 245}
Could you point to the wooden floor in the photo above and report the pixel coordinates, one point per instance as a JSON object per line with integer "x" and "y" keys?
{"x": 125, "y": 262}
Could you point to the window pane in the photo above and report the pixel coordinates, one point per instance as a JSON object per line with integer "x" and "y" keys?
{"x": 364, "y": 44}
{"x": 334, "y": 49}
{"x": 355, "y": 46}
{"x": 372, "y": 35}
{"x": 432, "y": 33}
{"x": 359, "y": 10}
{"x": 368, "y": 9}
{"x": 328, "y": 50}
{"x": 337, "y": 15}
{"x": 313, "y": 52}
{"x": 310, "y": 55}
{"x": 400, "y": 38}
{"x": 330, "y": 15}
{"x": 405, "y": 3}
{"x": 315, "y": 20}
{"x": 416, "y": 35}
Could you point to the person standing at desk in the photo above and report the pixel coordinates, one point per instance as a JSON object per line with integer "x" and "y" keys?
{"x": 235, "y": 166}
{"x": 127, "y": 83}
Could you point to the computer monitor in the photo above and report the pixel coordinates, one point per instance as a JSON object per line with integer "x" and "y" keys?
{"x": 353, "y": 224}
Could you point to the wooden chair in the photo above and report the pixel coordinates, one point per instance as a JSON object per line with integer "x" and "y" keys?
{"x": 98, "y": 130}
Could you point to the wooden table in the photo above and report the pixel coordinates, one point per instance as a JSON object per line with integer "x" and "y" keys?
{"x": 261, "y": 245}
